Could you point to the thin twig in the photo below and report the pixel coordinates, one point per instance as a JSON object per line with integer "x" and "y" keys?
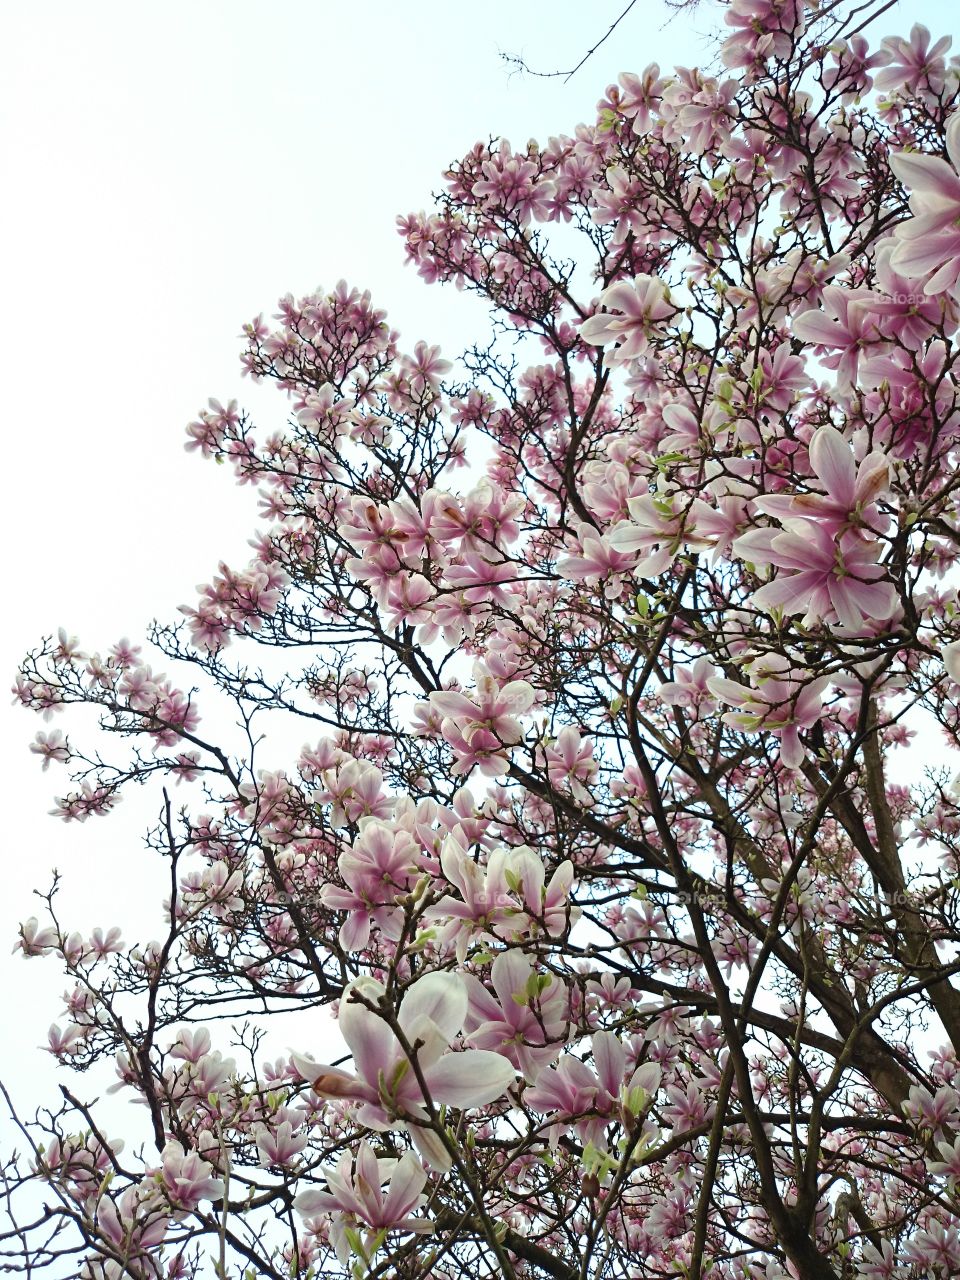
{"x": 519, "y": 63}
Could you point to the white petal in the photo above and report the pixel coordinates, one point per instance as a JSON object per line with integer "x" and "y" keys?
{"x": 951, "y": 660}
{"x": 441, "y": 998}
{"x": 470, "y": 1079}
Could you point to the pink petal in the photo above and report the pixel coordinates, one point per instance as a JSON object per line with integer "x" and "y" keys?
{"x": 927, "y": 176}
{"x": 469, "y": 1079}
{"x": 622, "y": 297}
{"x": 431, "y": 1147}
{"x": 610, "y": 1060}
{"x": 406, "y": 1183}
{"x": 509, "y": 974}
{"x": 371, "y": 1042}
{"x": 832, "y": 460}
{"x": 814, "y": 326}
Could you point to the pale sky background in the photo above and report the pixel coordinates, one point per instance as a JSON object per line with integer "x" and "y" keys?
{"x": 169, "y": 172}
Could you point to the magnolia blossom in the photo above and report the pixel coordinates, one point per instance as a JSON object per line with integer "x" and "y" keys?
{"x": 592, "y": 1096}
{"x": 186, "y": 1178}
{"x": 355, "y": 1195}
{"x": 929, "y": 242}
{"x": 386, "y": 1085}
{"x": 571, "y": 763}
{"x": 595, "y": 559}
{"x": 641, "y": 305}
{"x": 846, "y": 327}
{"x": 689, "y": 687}
{"x": 914, "y": 66}
{"x": 524, "y": 1018}
{"x": 33, "y": 940}
{"x": 849, "y": 492}
{"x": 827, "y": 579}
{"x": 381, "y": 865}
{"x": 775, "y": 701}
{"x": 279, "y": 1144}
{"x": 504, "y": 898}
{"x": 135, "y": 1227}
{"x": 657, "y": 526}
{"x": 479, "y": 725}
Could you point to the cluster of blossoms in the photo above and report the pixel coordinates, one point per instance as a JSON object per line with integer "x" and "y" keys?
{"x": 602, "y": 849}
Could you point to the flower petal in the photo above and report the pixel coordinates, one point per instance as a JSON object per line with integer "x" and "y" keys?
{"x": 832, "y": 460}
{"x": 441, "y": 999}
{"x": 469, "y": 1079}
{"x": 371, "y": 1042}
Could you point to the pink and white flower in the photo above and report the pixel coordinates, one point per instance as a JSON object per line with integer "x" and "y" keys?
{"x": 386, "y": 1083}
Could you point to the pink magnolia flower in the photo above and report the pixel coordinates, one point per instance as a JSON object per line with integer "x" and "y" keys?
{"x": 485, "y": 906}
{"x": 949, "y": 1165}
{"x": 640, "y": 96}
{"x": 853, "y": 63}
{"x": 687, "y": 1106}
{"x": 930, "y": 240}
{"x": 596, "y": 559}
{"x": 407, "y": 601}
{"x": 33, "y": 940}
{"x": 828, "y": 579}
{"x": 278, "y": 1144}
{"x": 656, "y": 526}
{"x": 847, "y": 326}
{"x": 355, "y": 790}
{"x": 912, "y": 66}
{"x": 717, "y": 527}
{"x": 878, "y": 1264}
{"x": 102, "y": 944}
{"x": 381, "y": 865}
{"x": 689, "y": 687}
{"x": 432, "y": 1014}
{"x": 479, "y": 579}
{"x": 355, "y": 1194}
{"x": 774, "y": 702}
{"x": 488, "y": 707}
{"x": 937, "y": 1246}
{"x": 51, "y": 746}
{"x": 764, "y": 29}
{"x": 849, "y": 491}
{"x": 524, "y": 1018}
{"x": 503, "y": 898}
{"x": 641, "y": 303}
{"x": 592, "y": 1096}
{"x": 933, "y": 1111}
{"x": 480, "y": 724}
{"x": 571, "y": 763}
{"x": 192, "y": 1044}
{"x": 134, "y": 1226}
{"x": 187, "y": 1179}
{"x": 424, "y": 369}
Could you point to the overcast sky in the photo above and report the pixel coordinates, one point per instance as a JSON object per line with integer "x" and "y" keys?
{"x": 169, "y": 172}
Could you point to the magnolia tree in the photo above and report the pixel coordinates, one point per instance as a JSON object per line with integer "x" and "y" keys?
{"x": 606, "y": 649}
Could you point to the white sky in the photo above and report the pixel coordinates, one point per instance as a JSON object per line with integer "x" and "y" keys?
{"x": 170, "y": 171}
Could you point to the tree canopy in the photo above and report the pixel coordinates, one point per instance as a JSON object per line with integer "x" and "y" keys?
{"x": 608, "y": 644}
